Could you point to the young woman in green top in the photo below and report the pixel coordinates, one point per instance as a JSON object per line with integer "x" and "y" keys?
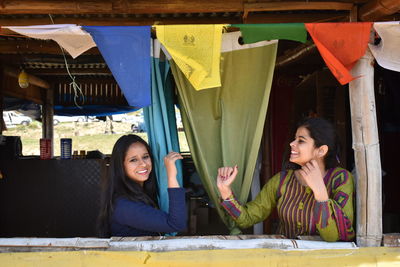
{"x": 313, "y": 196}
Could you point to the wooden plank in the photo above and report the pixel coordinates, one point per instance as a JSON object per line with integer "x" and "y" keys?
{"x": 285, "y": 6}
{"x": 115, "y": 7}
{"x": 391, "y": 240}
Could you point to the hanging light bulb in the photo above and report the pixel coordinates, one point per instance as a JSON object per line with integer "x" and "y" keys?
{"x": 23, "y": 79}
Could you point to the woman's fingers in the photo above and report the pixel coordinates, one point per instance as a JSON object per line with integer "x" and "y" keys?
{"x": 227, "y": 173}
{"x": 235, "y": 171}
{"x": 173, "y": 156}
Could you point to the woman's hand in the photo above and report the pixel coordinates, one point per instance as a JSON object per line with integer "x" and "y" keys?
{"x": 169, "y": 161}
{"x": 311, "y": 174}
{"x": 225, "y": 177}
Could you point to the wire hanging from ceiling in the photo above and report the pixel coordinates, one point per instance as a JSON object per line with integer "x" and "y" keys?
{"x": 77, "y": 89}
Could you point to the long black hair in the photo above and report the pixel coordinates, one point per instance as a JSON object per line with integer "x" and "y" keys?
{"x": 116, "y": 184}
{"x": 323, "y": 133}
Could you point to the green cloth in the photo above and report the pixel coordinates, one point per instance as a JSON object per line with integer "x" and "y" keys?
{"x": 224, "y": 125}
{"x": 253, "y": 33}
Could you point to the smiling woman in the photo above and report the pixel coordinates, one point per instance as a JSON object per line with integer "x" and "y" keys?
{"x": 313, "y": 196}
{"x": 129, "y": 200}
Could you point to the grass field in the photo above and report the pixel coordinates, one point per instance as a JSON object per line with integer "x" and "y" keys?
{"x": 85, "y": 136}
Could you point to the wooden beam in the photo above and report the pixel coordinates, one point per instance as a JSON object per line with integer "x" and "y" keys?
{"x": 128, "y": 21}
{"x": 86, "y": 80}
{"x": 74, "y": 72}
{"x": 36, "y": 46}
{"x": 33, "y": 80}
{"x": 118, "y": 7}
{"x": 375, "y": 9}
{"x": 291, "y": 18}
{"x": 286, "y": 6}
{"x": 293, "y": 55}
{"x": 31, "y": 93}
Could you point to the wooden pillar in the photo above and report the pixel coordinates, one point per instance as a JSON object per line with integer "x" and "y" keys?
{"x": 366, "y": 153}
{"x": 47, "y": 117}
{"x": 2, "y": 122}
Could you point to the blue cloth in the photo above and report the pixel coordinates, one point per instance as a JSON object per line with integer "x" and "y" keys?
{"x": 132, "y": 218}
{"x": 126, "y": 49}
{"x": 161, "y": 123}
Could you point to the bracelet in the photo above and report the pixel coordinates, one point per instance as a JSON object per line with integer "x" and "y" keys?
{"x": 230, "y": 198}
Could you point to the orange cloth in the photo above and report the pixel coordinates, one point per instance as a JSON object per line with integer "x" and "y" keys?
{"x": 341, "y": 45}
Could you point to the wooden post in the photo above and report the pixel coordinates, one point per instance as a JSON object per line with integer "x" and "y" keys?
{"x": 366, "y": 153}
{"x": 2, "y": 122}
{"x": 47, "y": 117}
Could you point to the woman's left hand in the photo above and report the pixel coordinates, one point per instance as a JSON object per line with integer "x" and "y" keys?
{"x": 313, "y": 177}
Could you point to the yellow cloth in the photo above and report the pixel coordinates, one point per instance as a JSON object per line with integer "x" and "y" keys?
{"x": 196, "y": 50}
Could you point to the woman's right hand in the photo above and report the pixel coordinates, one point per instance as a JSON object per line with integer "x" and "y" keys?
{"x": 169, "y": 161}
{"x": 225, "y": 177}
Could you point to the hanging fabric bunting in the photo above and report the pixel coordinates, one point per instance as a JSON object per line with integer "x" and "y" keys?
{"x": 224, "y": 126}
{"x": 69, "y": 36}
{"x": 161, "y": 122}
{"x": 253, "y": 33}
{"x": 341, "y": 45}
{"x": 126, "y": 49}
{"x": 196, "y": 50}
{"x": 387, "y": 52}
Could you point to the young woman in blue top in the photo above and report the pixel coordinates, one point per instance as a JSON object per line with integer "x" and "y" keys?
{"x": 129, "y": 199}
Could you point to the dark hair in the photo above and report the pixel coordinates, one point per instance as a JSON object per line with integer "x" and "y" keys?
{"x": 117, "y": 184}
{"x": 323, "y": 133}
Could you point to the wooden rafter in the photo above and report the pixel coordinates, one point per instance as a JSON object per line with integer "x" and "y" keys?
{"x": 121, "y": 21}
{"x": 118, "y": 7}
{"x": 291, "y": 18}
{"x": 285, "y": 6}
{"x": 74, "y": 72}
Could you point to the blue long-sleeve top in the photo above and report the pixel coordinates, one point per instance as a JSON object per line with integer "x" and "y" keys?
{"x": 134, "y": 218}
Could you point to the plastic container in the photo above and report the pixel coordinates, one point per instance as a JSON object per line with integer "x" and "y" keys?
{"x": 45, "y": 148}
{"x": 66, "y": 148}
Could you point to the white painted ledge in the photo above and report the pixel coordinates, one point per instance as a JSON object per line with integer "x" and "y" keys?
{"x": 171, "y": 244}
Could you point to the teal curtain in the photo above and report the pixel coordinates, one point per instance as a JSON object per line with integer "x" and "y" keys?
{"x": 161, "y": 122}
{"x": 224, "y": 125}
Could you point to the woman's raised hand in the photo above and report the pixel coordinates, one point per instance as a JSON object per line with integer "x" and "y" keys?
{"x": 169, "y": 161}
{"x": 311, "y": 174}
{"x": 225, "y": 177}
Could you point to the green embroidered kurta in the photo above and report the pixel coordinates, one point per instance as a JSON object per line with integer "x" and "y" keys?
{"x": 298, "y": 211}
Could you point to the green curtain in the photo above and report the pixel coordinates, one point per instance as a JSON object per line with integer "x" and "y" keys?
{"x": 224, "y": 125}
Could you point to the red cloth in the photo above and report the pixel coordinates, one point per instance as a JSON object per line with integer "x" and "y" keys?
{"x": 341, "y": 45}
